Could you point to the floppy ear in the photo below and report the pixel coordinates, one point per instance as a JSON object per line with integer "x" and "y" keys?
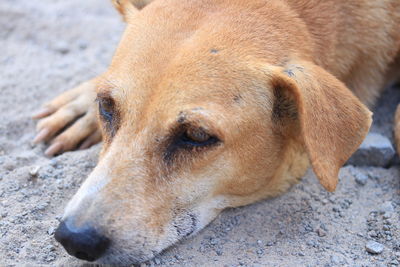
{"x": 333, "y": 121}
{"x": 125, "y": 7}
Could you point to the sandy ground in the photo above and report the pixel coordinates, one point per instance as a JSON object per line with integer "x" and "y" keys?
{"x": 49, "y": 46}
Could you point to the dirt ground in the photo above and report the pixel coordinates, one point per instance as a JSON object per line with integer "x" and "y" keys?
{"x": 49, "y": 46}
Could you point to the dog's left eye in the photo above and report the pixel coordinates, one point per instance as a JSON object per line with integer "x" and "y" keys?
{"x": 189, "y": 139}
{"x": 197, "y": 137}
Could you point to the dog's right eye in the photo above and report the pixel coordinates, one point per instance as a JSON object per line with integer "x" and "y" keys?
{"x": 106, "y": 109}
{"x": 108, "y": 114}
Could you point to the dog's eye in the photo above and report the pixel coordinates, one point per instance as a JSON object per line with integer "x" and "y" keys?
{"x": 197, "y": 137}
{"x": 106, "y": 109}
{"x": 189, "y": 139}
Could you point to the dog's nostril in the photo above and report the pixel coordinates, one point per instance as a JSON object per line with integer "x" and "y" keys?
{"x": 84, "y": 243}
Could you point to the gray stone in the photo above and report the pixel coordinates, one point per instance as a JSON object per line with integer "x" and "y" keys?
{"x": 360, "y": 178}
{"x": 376, "y": 150}
{"x": 386, "y": 207}
{"x": 374, "y": 247}
{"x": 157, "y": 261}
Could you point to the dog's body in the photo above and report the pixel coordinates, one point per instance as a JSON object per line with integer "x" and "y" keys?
{"x": 212, "y": 104}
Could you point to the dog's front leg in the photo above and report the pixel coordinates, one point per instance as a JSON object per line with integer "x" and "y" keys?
{"x": 69, "y": 121}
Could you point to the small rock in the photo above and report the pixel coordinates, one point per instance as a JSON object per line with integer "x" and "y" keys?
{"x": 50, "y": 248}
{"x": 374, "y": 247}
{"x": 219, "y": 251}
{"x": 360, "y": 178}
{"x": 34, "y": 171}
{"x": 214, "y": 241}
{"x": 387, "y": 215}
{"x": 335, "y": 260}
{"x": 394, "y": 262}
{"x": 82, "y": 45}
{"x": 51, "y": 230}
{"x": 157, "y": 261}
{"x": 178, "y": 257}
{"x": 9, "y": 166}
{"x": 61, "y": 47}
{"x": 376, "y": 150}
{"x": 387, "y": 206}
{"x": 321, "y": 232}
{"x": 372, "y": 233}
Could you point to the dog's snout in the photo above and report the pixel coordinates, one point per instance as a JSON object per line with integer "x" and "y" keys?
{"x": 84, "y": 243}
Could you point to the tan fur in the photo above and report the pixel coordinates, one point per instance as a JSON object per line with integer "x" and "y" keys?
{"x": 280, "y": 83}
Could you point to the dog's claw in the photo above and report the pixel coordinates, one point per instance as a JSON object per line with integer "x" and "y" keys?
{"x": 43, "y": 112}
{"x": 53, "y": 149}
{"x": 41, "y": 136}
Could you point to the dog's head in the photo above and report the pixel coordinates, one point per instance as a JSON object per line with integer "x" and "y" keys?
{"x": 199, "y": 114}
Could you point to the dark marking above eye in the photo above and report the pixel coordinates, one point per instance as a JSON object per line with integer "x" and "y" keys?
{"x": 214, "y": 51}
{"x": 237, "y": 98}
{"x": 289, "y": 72}
{"x": 181, "y": 117}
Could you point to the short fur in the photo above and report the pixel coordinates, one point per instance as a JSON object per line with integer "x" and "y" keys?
{"x": 280, "y": 83}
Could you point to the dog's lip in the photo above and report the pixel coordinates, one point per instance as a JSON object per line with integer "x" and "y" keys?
{"x": 194, "y": 224}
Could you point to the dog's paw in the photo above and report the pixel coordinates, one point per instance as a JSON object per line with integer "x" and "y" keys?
{"x": 69, "y": 121}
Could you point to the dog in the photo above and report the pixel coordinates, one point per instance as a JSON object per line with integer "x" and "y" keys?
{"x": 209, "y": 104}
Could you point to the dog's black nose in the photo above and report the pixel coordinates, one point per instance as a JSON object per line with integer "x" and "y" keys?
{"x": 84, "y": 243}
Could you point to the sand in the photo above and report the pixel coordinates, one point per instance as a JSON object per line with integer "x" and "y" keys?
{"x": 49, "y": 46}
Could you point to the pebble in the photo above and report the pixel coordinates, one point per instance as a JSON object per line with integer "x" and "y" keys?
{"x": 372, "y": 233}
{"x": 335, "y": 260}
{"x": 178, "y": 257}
{"x": 82, "y": 45}
{"x": 360, "y": 178}
{"x": 219, "y": 251}
{"x": 376, "y": 150}
{"x": 395, "y": 262}
{"x": 157, "y": 261}
{"x": 62, "y": 47}
{"x": 387, "y": 206}
{"x": 34, "y": 171}
{"x": 214, "y": 241}
{"x": 321, "y": 232}
{"x": 374, "y": 247}
{"x": 386, "y": 215}
{"x": 51, "y": 230}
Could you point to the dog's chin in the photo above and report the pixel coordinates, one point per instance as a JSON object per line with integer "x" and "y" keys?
{"x": 125, "y": 257}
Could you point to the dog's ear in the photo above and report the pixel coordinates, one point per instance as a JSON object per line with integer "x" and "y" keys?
{"x": 333, "y": 121}
{"x": 124, "y": 7}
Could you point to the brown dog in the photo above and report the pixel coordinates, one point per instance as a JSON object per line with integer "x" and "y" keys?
{"x": 211, "y": 104}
